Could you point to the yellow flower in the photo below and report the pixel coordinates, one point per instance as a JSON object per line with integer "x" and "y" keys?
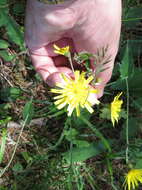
{"x": 116, "y": 108}
{"x": 75, "y": 93}
{"x": 62, "y": 51}
{"x": 132, "y": 178}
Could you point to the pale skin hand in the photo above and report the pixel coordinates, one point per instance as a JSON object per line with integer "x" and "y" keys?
{"x": 84, "y": 25}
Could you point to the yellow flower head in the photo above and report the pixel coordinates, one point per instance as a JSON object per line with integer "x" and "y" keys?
{"x": 61, "y": 51}
{"x": 132, "y": 178}
{"x": 116, "y": 108}
{"x": 75, "y": 93}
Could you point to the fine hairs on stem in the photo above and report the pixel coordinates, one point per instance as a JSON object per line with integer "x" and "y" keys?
{"x": 127, "y": 123}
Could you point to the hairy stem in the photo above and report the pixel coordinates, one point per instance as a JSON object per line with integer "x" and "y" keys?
{"x": 127, "y": 123}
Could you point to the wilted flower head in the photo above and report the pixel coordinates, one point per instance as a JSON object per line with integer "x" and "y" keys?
{"x": 75, "y": 93}
{"x": 133, "y": 178}
{"x": 61, "y": 51}
{"x": 116, "y": 108}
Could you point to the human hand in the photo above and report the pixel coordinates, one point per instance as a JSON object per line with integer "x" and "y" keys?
{"x": 84, "y": 25}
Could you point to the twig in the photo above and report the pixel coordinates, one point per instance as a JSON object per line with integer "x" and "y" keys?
{"x": 15, "y": 148}
{"x": 2, "y": 75}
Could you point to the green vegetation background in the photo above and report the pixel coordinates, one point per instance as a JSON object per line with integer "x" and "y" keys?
{"x": 43, "y": 149}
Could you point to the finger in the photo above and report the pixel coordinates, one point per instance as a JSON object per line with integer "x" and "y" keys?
{"x": 54, "y": 78}
{"x": 44, "y": 65}
{"x": 104, "y": 77}
{"x": 61, "y": 43}
{"x": 48, "y": 50}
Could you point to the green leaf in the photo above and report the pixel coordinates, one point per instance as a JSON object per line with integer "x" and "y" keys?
{"x": 27, "y": 157}
{"x": 105, "y": 112}
{"x": 2, "y": 17}
{"x": 3, "y": 188}
{"x": 28, "y": 112}
{"x": 134, "y": 45}
{"x": 133, "y": 128}
{"x": 137, "y": 103}
{"x": 97, "y": 133}
{"x": 6, "y": 56}
{"x": 138, "y": 164}
{"x": 17, "y": 167}
{"x": 3, "y": 2}
{"x": 84, "y": 153}
{"x": 78, "y": 122}
{"x": 3, "y": 143}
{"x": 81, "y": 143}
{"x": 18, "y": 8}
{"x": 13, "y": 29}
{"x": 10, "y": 94}
{"x": 127, "y": 67}
{"x": 4, "y": 44}
{"x": 72, "y": 136}
{"x": 132, "y": 16}
{"x": 123, "y": 114}
{"x": 5, "y": 120}
{"x": 134, "y": 83}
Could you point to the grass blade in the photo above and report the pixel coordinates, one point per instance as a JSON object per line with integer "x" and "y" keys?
{"x": 3, "y": 143}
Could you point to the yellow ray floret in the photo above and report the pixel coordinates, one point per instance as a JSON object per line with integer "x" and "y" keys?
{"x": 132, "y": 179}
{"x": 61, "y": 51}
{"x": 116, "y": 108}
{"x": 75, "y": 93}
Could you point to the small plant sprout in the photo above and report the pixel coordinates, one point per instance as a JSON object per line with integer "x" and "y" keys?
{"x": 94, "y": 63}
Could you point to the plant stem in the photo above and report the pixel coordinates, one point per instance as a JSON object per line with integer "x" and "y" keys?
{"x": 110, "y": 169}
{"x": 71, "y": 162}
{"x": 131, "y": 19}
{"x": 71, "y": 63}
{"x": 60, "y": 139}
{"x": 58, "y": 142}
{"x": 127, "y": 123}
{"x": 90, "y": 179}
{"x": 97, "y": 132}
